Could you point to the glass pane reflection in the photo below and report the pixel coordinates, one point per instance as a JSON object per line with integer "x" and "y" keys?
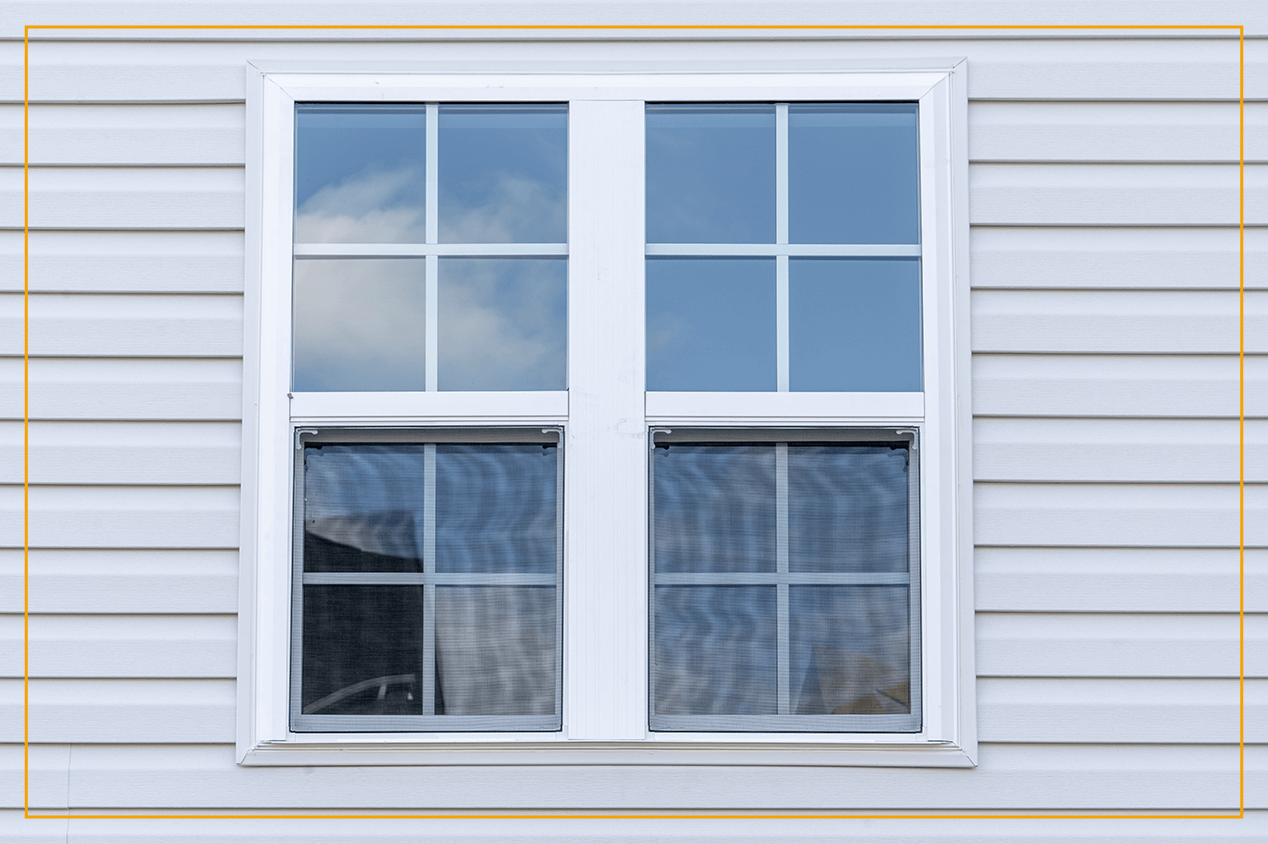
{"x": 503, "y": 323}
{"x": 710, "y": 324}
{"x": 496, "y": 508}
{"x": 363, "y": 507}
{"x": 715, "y": 650}
{"x": 850, "y": 650}
{"x": 363, "y": 650}
{"x": 847, "y": 508}
{"x": 854, "y": 324}
{"x": 360, "y": 174}
{"x": 852, "y": 173}
{"x": 503, "y": 174}
{"x": 359, "y": 325}
{"x": 710, "y": 173}
{"x": 715, "y": 508}
{"x": 495, "y": 650}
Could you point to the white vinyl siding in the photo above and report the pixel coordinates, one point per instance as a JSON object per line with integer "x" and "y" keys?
{"x": 1103, "y": 203}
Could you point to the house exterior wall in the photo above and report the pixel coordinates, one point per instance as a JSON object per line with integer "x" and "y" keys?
{"x": 1104, "y": 266}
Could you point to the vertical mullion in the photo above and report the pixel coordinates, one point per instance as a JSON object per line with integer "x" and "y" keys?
{"x": 432, "y": 264}
{"x": 781, "y": 568}
{"x": 429, "y": 585}
{"x": 781, "y": 238}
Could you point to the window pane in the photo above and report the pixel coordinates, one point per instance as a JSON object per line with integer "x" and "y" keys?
{"x": 847, "y": 509}
{"x": 503, "y": 173}
{"x": 363, "y": 650}
{"x": 715, "y": 508}
{"x": 359, "y": 174}
{"x": 852, "y": 173}
{"x": 359, "y": 324}
{"x": 363, "y": 507}
{"x": 850, "y": 650}
{"x": 710, "y": 174}
{"x": 495, "y": 650}
{"x": 496, "y": 508}
{"x": 715, "y": 650}
{"x": 854, "y": 324}
{"x": 503, "y": 323}
{"x": 710, "y": 324}
{"x": 462, "y": 536}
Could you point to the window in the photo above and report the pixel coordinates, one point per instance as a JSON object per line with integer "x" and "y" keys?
{"x": 621, "y": 411}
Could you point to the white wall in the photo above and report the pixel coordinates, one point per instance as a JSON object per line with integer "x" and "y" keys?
{"x": 1105, "y": 313}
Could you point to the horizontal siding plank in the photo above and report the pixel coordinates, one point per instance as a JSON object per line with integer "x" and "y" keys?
{"x": 1140, "y": 711}
{"x": 1127, "y": 645}
{"x": 1118, "y": 515}
{"x": 1076, "y": 69}
{"x": 124, "y": 262}
{"x": 1118, "y": 580}
{"x": 123, "y": 517}
{"x": 120, "y": 711}
{"x": 1114, "y": 194}
{"x": 139, "y": 389}
{"x": 1116, "y": 258}
{"x": 135, "y": 580}
{"x": 1117, "y": 385}
{"x": 122, "y": 646}
{"x": 112, "y": 325}
{"x": 1253, "y": 827}
{"x": 48, "y": 767}
{"x": 1117, "y": 321}
{"x": 1115, "y": 132}
{"x": 1117, "y": 450}
{"x": 144, "y": 135}
{"x": 104, "y": 198}
{"x": 1009, "y": 776}
{"x": 123, "y": 452}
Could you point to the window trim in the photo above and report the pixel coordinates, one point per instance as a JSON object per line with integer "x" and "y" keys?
{"x": 608, "y": 99}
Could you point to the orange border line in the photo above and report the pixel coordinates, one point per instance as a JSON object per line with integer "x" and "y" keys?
{"x": 1241, "y": 420}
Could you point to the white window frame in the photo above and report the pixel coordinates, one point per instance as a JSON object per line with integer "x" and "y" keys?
{"x": 606, "y": 417}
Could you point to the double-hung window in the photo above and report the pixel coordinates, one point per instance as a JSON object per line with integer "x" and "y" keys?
{"x": 607, "y": 411}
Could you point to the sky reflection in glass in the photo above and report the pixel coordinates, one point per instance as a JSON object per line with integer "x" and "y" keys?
{"x": 852, "y": 173}
{"x": 854, "y": 324}
{"x": 360, "y": 174}
{"x": 359, "y": 324}
{"x": 503, "y": 174}
{"x": 710, "y": 173}
{"x": 711, "y": 324}
{"x": 503, "y": 323}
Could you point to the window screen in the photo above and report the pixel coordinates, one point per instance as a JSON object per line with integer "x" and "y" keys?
{"x": 428, "y": 581}
{"x": 785, "y": 581}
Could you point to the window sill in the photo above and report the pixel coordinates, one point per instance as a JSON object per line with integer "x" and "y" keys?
{"x": 880, "y": 752}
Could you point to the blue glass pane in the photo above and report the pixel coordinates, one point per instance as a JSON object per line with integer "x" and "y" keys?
{"x": 847, "y": 508}
{"x": 503, "y": 323}
{"x": 714, "y": 650}
{"x": 710, "y": 324}
{"x": 360, "y": 173}
{"x": 503, "y": 174}
{"x": 359, "y": 324}
{"x": 854, "y": 324}
{"x": 852, "y": 173}
{"x": 710, "y": 174}
{"x": 496, "y": 508}
{"x": 714, "y": 508}
{"x": 849, "y": 650}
